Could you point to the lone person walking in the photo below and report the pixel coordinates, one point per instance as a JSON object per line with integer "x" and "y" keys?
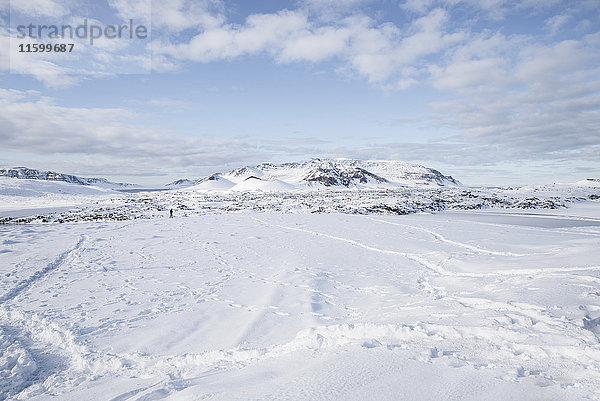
{"x": 171, "y": 213}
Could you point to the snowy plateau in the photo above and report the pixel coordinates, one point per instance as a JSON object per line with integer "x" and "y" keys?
{"x": 320, "y": 280}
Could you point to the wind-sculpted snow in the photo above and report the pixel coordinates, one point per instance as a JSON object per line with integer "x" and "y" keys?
{"x": 460, "y": 305}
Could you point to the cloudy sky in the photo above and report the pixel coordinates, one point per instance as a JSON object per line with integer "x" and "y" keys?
{"x": 490, "y": 91}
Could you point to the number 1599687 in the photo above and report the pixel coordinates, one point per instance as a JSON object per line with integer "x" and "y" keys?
{"x": 46, "y": 48}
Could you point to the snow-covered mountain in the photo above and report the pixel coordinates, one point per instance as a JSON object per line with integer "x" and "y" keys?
{"x": 183, "y": 182}
{"x": 325, "y": 173}
{"x": 33, "y": 174}
{"x": 589, "y": 182}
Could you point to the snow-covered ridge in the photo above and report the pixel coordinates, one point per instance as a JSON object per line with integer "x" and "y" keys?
{"x": 326, "y": 173}
{"x": 181, "y": 183}
{"x": 33, "y": 174}
{"x": 589, "y": 182}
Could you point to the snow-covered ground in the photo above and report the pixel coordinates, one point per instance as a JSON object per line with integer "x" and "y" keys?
{"x": 459, "y": 305}
{"x": 47, "y": 205}
{"x": 27, "y": 197}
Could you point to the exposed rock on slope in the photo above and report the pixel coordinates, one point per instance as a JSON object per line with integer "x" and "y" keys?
{"x": 343, "y": 173}
{"x": 33, "y": 174}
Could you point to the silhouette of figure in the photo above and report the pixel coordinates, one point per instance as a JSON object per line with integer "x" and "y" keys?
{"x": 171, "y": 213}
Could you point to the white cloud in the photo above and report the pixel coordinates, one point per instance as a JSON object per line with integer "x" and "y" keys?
{"x": 113, "y": 136}
{"x": 177, "y": 15}
{"x": 333, "y": 10}
{"x": 490, "y": 9}
{"x": 472, "y": 75}
{"x": 336, "y": 4}
{"x": 139, "y": 10}
{"x": 44, "y": 70}
{"x": 379, "y": 52}
{"x": 174, "y": 15}
{"x": 261, "y": 33}
{"x": 58, "y": 70}
{"x": 532, "y": 102}
{"x": 198, "y": 31}
{"x": 592, "y": 39}
{"x": 511, "y": 97}
{"x": 323, "y": 43}
{"x": 543, "y": 63}
{"x": 417, "y": 6}
{"x": 39, "y": 8}
{"x": 554, "y": 24}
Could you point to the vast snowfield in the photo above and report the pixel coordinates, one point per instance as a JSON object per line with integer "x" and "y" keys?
{"x": 492, "y": 304}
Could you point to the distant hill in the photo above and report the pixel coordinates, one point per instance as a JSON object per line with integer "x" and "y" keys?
{"x": 326, "y": 173}
{"x": 33, "y": 174}
{"x": 181, "y": 183}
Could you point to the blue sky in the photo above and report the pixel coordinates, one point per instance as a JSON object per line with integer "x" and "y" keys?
{"x": 492, "y": 92}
